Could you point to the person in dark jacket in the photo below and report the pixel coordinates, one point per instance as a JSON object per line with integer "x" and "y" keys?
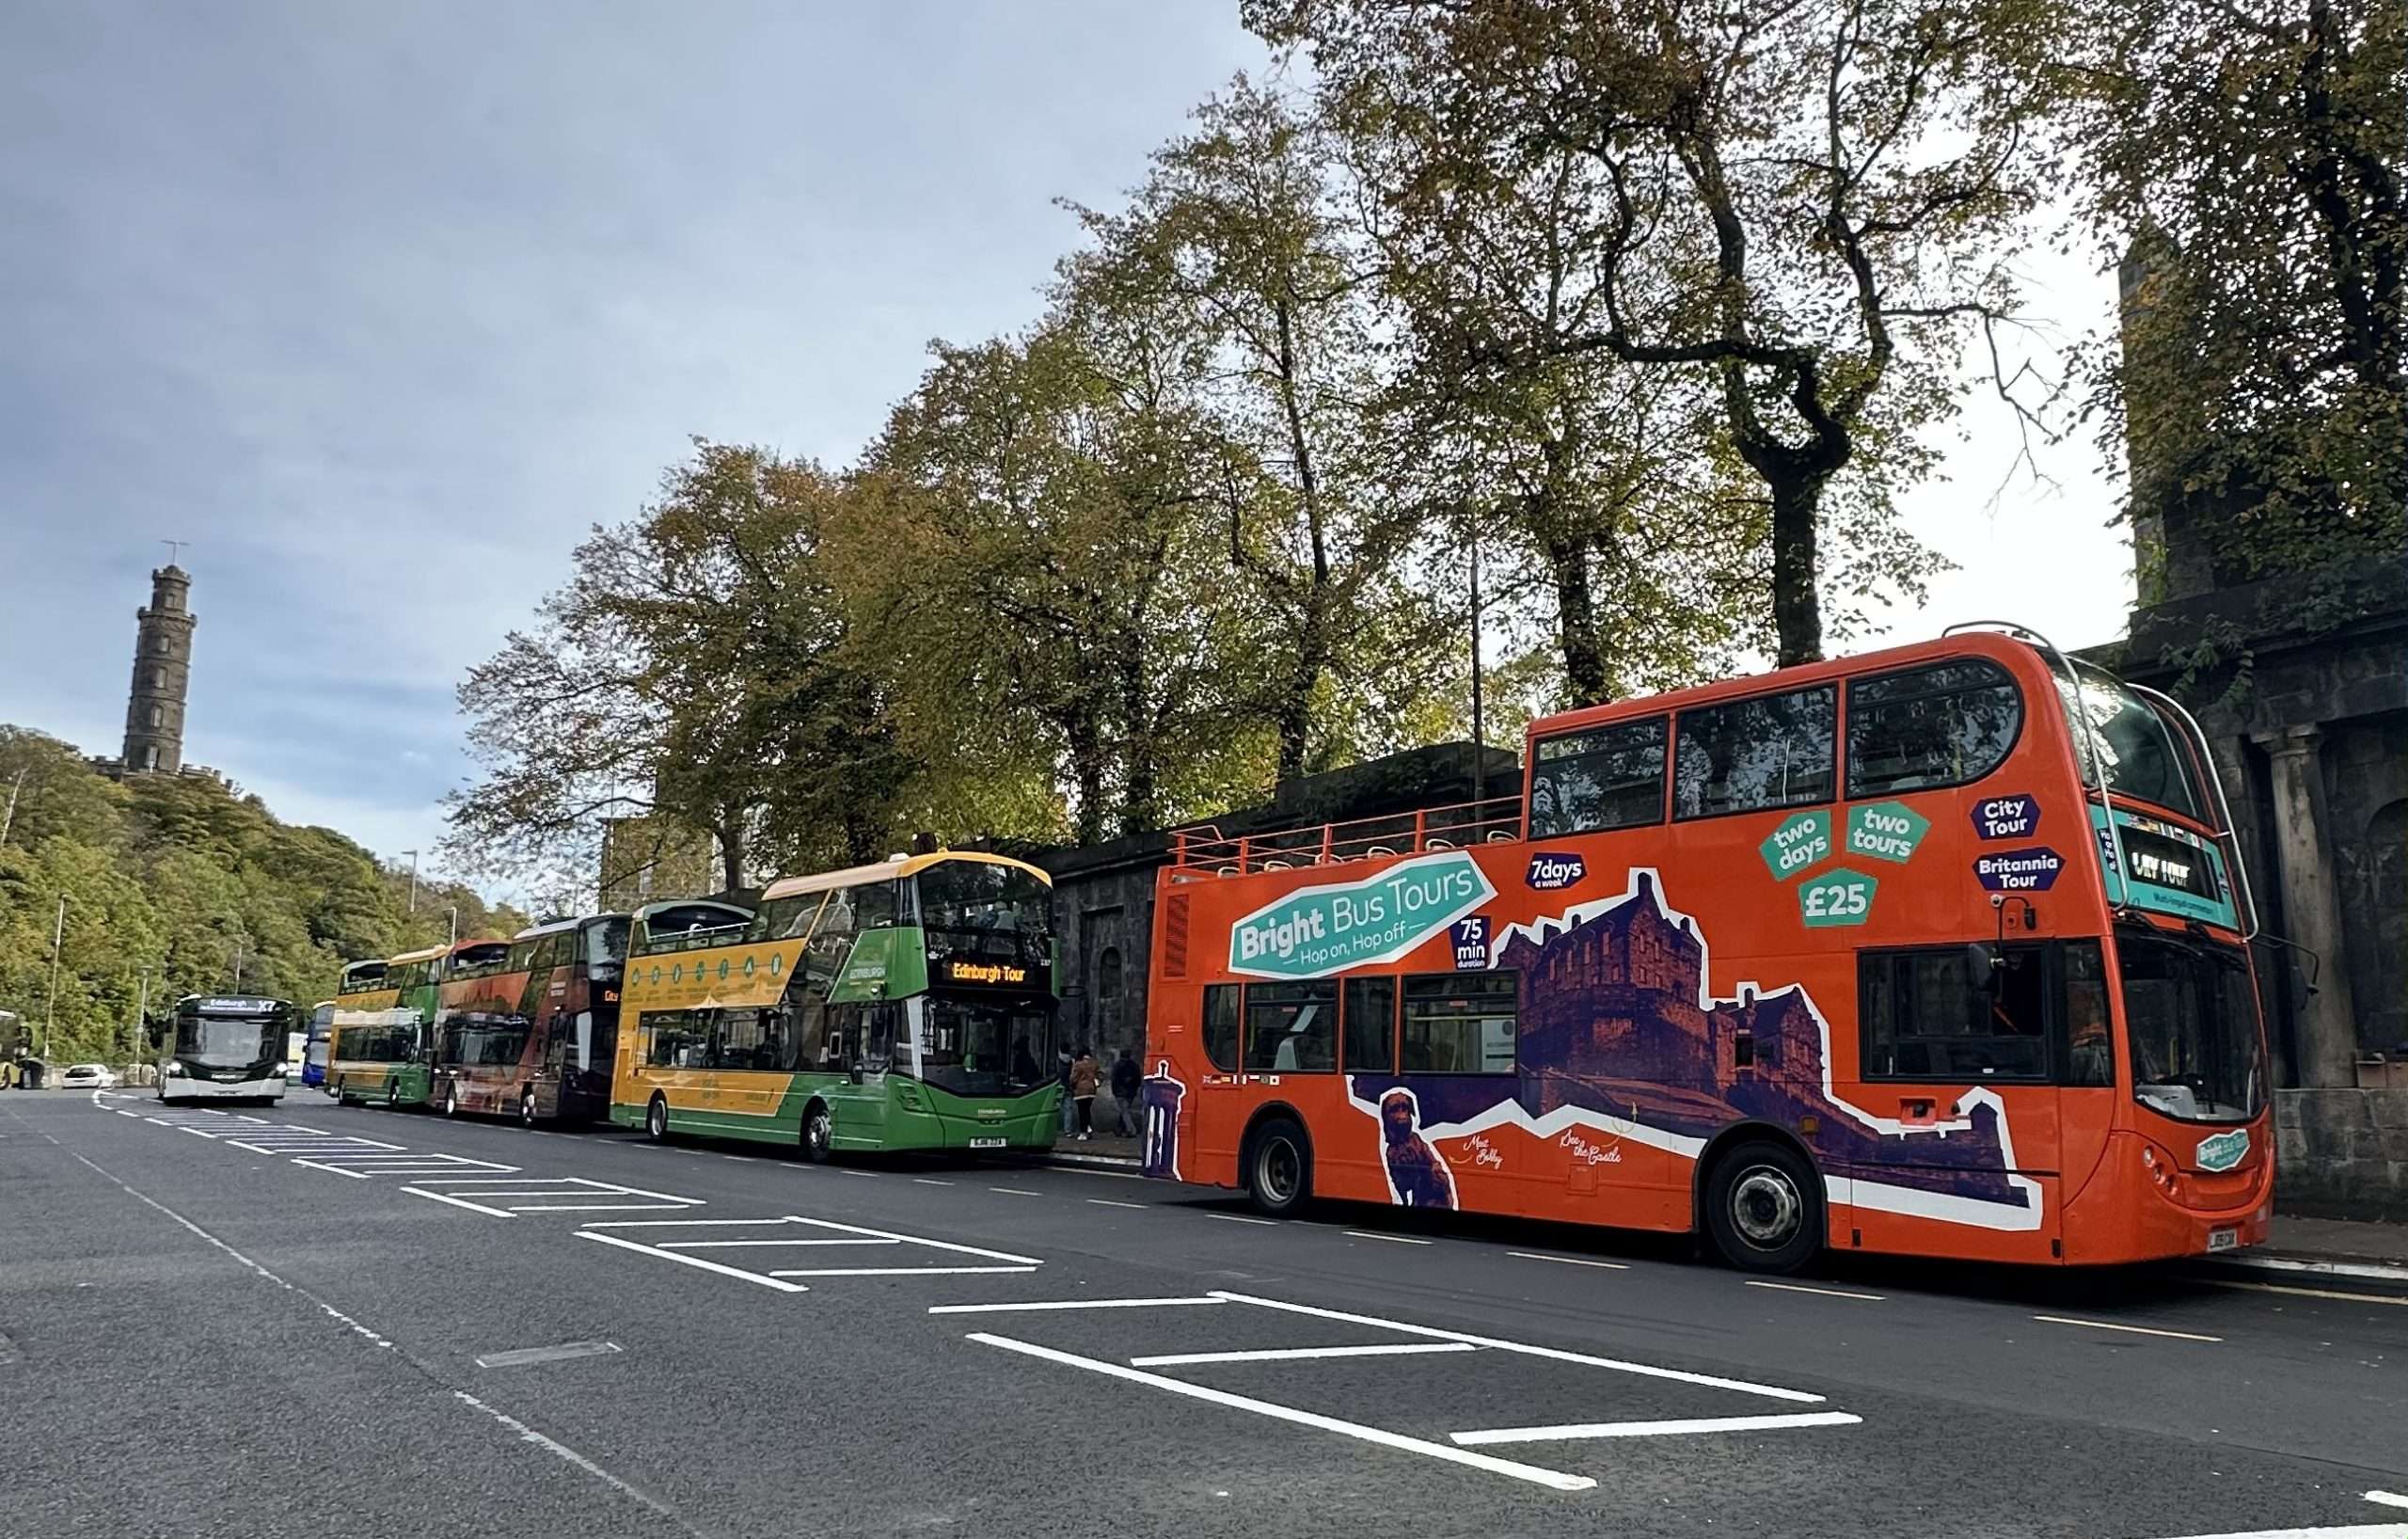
{"x": 1126, "y": 1077}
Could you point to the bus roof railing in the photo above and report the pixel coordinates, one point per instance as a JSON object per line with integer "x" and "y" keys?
{"x": 1205, "y": 850}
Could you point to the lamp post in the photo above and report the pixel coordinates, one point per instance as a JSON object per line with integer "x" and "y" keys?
{"x": 413, "y": 855}
{"x": 1478, "y": 727}
{"x": 57, "y": 935}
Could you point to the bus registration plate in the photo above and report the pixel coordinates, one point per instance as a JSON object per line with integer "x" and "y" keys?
{"x": 988, "y": 1143}
{"x": 2223, "y": 1239}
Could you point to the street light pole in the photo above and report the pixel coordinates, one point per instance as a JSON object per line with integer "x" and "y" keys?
{"x": 455, "y": 929}
{"x": 8, "y": 820}
{"x": 1478, "y": 727}
{"x": 50, "y": 1010}
{"x": 413, "y": 855}
{"x": 142, "y": 1017}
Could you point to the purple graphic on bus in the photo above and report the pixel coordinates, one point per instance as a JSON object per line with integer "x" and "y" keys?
{"x": 1159, "y": 1099}
{"x": 1617, "y": 1031}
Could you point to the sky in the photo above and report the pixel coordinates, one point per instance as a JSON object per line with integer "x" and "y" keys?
{"x": 381, "y": 306}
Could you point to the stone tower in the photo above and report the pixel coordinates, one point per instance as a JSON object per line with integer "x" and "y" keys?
{"x": 154, "y": 710}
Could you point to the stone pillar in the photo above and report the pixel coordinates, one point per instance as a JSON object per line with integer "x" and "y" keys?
{"x": 2328, "y": 1046}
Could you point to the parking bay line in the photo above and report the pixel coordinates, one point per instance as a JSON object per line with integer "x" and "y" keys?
{"x": 896, "y": 1271}
{"x": 1277, "y": 1355}
{"x": 459, "y": 1202}
{"x": 1069, "y": 1303}
{"x": 2135, "y": 1330}
{"x": 1554, "y": 1479}
{"x": 1827, "y": 1292}
{"x": 1556, "y": 1354}
{"x": 1570, "y": 1260}
{"x": 683, "y": 1260}
{"x": 1652, "y": 1429}
{"x": 915, "y": 1240}
{"x": 737, "y": 1245}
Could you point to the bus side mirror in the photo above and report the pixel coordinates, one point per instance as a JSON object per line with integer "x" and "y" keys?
{"x": 1983, "y": 964}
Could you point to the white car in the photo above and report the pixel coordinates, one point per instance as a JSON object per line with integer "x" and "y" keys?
{"x": 89, "y": 1076}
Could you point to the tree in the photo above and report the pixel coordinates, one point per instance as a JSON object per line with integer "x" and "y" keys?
{"x": 2262, "y": 384}
{"x": 1808, "y": 204}
{"x": 1030, "y": 553}
{"x": 1243, "y": 224}
{"x": 693, "y": 670}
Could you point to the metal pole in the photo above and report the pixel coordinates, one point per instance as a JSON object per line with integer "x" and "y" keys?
{"x": 1479, "y": 726}
{"x": 455, "y": 929}
{"x": 141, "y": 1021}
{"x": 57, "y": 936}
{"x": 9, "y": 820}
{"x": 413, "y": 855}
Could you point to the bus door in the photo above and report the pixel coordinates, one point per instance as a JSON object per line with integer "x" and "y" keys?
{"x": 1966, "y": 1053}
{"x": 863, "y": 1038}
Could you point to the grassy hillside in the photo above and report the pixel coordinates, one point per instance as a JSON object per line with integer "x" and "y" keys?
{"x": 190, "y": 884}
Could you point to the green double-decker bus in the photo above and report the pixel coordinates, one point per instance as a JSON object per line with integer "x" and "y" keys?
{"x": 907, "y": 1004}
{"x": 381, "y": 1044}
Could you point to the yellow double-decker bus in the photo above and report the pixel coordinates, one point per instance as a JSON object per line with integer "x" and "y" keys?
{"x": 907, "y": 1004}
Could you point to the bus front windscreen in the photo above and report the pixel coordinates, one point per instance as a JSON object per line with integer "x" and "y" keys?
{"x": 2133, "y": 743}
{"x": 2191, "y": 1017}
{"x": 226, "y": 1041}
{"x": 960, "y": 894}
{"x": 984, "y": 1046}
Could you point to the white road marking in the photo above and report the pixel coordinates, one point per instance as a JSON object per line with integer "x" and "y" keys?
{"x": 355, "y": 1175}
{"x": 1274, "y": 1355}
{"x": 587, "y": 1207}
{"x": 2134, "y": 1330}
{"x": 916, "y": 1240}
{"x": 1015, "y": 1191}
{"x": 779, "y": 1283}
{"x": 2308, "y": 1293}
{"x": 1827, "y": 1292}
{"x": 1552, "y": 1477}
{"x": 1556, "y": 1354}
{"x": 2387, "y": 1499}
{"x": 1392, "y": 1239}
{"x": 1069, "y": 1303}
{"x": 738, "y": 1245}
{"x": 1107, "y": 1202}
{"x": 549, "y": 1354}
{"x": 1569, "y": 1261}
{"x": 2347, "y": 1531}
{"x": 459, "y": 1202}
{"x": 848, "y": 1171}
{"x": 684, "y": 1223}
{"x": 1654, "y": 1429}
{"x": 929, "y": 1181}
{"x": 894, "y": 1271}
{"x": 1239, "y": 1218}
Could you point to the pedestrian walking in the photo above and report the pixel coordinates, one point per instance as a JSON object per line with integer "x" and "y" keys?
{"x": 1086, "y": 1074}
{"x": 1126, "y": 1077}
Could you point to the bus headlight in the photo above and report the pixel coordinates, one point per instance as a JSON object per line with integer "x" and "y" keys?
{"x": 175, "y": 1070}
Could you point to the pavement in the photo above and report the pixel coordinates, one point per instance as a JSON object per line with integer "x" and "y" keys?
{"x": 352, "y": 1322}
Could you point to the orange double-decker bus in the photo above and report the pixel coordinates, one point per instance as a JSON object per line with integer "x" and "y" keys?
{"x": 1941, "y": 950}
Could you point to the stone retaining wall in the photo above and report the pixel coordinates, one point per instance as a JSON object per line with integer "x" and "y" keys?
{"x": 2341, "y": 1154}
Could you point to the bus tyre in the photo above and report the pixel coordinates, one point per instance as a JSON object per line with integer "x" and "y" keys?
{"x": 818, "y": 1132}
{"x": 1279, "y": 1167}
{"x": 656, "y": 1121}
{"x": 393, "y": 1094}
{"x": 527, "y": 1107}
{"x": 1764, "y": 1208}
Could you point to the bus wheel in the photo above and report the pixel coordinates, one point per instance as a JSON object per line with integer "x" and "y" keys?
{"x": 818, "y": 1132}
{"x": 527, "y": 1107}
{"x": 393, "y": 1094}
{"x": 1279, "y": 1167}
{"x": 1764, "y": 1208}
{"x": 656, "y": 1121}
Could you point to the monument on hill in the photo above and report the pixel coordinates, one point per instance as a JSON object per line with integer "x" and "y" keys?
{"x": 154, "y": 709}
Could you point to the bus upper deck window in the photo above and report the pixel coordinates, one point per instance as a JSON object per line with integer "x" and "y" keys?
{"x": 1604, "y": 778}
{"x": 1947, "y": 725}
{"x": 1773, "y": 751}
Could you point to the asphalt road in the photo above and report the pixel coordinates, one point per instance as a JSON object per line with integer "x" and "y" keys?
{"x": 321, "y": 1321}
